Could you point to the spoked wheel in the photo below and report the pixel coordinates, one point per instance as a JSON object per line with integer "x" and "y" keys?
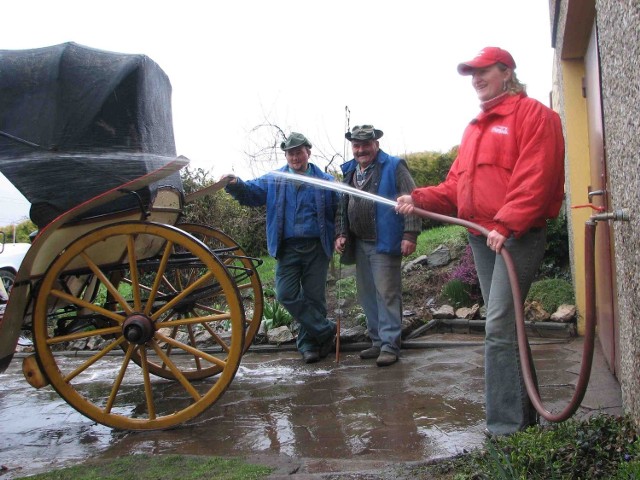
{"x": 167, "y": 270}
{"x": 209, "y": 301}
{"x": 241, "y": 267}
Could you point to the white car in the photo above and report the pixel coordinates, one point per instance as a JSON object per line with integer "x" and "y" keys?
{"x": 11, "y": 255}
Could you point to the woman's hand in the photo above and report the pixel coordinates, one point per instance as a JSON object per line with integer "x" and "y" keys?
{"x": 495, "y": 241}
{"x": 405, "y": 205}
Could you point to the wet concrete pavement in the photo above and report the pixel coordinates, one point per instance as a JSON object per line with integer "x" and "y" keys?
{"x": 307, "y": 419}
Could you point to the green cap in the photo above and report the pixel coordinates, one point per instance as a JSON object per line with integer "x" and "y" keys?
{"x": 363, "y": 132}
{"x": 295, "y": 140}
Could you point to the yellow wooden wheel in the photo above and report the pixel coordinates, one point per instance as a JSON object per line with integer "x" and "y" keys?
{"x": 136, "y": 315}
{"x": 209, "y": 301}
{"x": 241, "y": 267}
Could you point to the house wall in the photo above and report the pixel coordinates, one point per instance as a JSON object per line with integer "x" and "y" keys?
{"x": 618, "y": 24}
{"x": 619, "y": 41}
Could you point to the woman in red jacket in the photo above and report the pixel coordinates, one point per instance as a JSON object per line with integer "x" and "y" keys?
{"x": 509, "y": 178}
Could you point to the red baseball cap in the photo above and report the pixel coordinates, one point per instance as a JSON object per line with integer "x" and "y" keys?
{"x": 486, "y": 57}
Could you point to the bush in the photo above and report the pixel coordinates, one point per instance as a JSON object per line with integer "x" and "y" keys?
{"x": 556, "y": 255}
{"x": 551, "y": 293}
{"x": 463, "y": 288}
{"x": 275, "y": 315}
{"x": 244, "y": 224}
{"x": 597, "y": 448}
{"x": 457, "y": 293}
{"x": 346, "y": 288}
{"x": 22, "y": 232}
{"x": 466, "y": 272}
{"x": 602, "y": 446}
{"x": 430, "y": 168}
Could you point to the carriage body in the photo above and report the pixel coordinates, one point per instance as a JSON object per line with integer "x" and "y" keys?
{"x": 86, "y": 136}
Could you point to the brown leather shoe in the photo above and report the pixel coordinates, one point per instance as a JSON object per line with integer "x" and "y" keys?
{"x": 386, "y": 358}
{"x": 369, "y": 353}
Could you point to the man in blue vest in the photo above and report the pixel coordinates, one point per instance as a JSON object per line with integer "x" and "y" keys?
{"x": 375, "y": 238}
{"x": 300, "y": 234}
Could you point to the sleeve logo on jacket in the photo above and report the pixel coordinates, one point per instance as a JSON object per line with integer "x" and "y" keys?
{"x": 502, "y": 130}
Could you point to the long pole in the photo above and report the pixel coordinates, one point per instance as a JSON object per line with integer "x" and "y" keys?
{"x": 347, "y": 114}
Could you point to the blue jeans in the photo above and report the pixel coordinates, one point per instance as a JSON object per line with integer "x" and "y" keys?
{"x": 379, "y": 285}
{"x": 301, "y": 279}
{"x": 508, "y": 408}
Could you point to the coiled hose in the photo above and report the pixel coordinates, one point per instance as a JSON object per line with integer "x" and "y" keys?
{"x": 523, "y": 344}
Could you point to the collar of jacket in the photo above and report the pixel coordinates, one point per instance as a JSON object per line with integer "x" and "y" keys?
{"x": 502, "y": 109}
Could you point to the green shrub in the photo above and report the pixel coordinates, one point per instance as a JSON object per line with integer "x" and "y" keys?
{"x": 556, "y": 255}
{"x": 22, "y": 232}
{"x": 430, "y": 168}
{"x": 466, "y": 272}
{"x": 275, "y": 315}
{"x": 246, "y": 225}
{"x": 457, "y": 293}
{"x": 551, "y": 293}
{"x": 346, "y": 288}
{"x": 601, "y": 446}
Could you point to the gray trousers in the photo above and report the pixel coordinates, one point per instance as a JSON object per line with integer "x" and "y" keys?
{"x": 379, "y": 286}
{"x": 508, "y": 408}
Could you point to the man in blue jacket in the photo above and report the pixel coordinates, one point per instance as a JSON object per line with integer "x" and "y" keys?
{"x": 300, "y": 234}
{"x": 372, "y": 235}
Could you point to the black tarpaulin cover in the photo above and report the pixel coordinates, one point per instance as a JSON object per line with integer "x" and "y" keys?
{"x": 77, "y": 121}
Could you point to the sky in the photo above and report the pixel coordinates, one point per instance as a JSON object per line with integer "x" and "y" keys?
{"x": 239, "y": 67}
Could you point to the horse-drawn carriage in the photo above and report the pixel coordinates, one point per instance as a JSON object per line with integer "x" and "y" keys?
{"x": 87, "y": 137}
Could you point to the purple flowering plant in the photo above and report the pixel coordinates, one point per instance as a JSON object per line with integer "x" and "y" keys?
{"x": 466, "y": 273}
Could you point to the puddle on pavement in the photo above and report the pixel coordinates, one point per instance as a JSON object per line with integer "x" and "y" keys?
{"x": 429, "y": 404}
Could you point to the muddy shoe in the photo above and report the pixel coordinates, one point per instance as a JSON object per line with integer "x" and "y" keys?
{"x": 310, "y": 356}
{"x": 327, "y": 345}
{"x": 369, "y": 353}
{"x": 386, "y": 358}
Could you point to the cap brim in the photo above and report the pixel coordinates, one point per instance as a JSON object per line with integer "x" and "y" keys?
{"x": 284, "y": 148}
{"x": 467, "y": 68}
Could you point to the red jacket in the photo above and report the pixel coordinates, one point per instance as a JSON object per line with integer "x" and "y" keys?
{"x": 509, "y": 173}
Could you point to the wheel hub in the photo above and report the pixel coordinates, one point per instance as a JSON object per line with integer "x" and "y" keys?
{"x": 138, "y": 329}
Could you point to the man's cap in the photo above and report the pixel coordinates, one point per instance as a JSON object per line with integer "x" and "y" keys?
{"x": 485, "y": 58}
{"x": 295, "y": 140}
{"x": 363, "y": 132}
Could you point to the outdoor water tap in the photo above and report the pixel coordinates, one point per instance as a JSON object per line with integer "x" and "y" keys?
{"x": 620, "y": 214}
